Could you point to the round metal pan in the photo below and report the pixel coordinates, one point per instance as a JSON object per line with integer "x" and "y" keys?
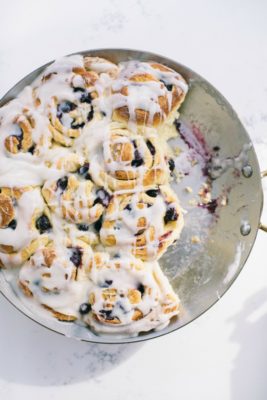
{"x": 200, "y": 274}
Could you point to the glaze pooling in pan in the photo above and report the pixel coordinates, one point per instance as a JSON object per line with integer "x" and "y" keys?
{"x": 85, "y": 174}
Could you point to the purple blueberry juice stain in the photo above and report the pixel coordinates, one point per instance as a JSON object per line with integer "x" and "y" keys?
{"x": 211, "y": 165}
{"x": 211, "y": 206}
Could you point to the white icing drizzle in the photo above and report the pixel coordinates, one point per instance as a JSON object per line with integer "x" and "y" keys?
{"x": 122, "y": 287}
{"x": 68, "y": 111}
{"x": 55, "y": 286}
{"x": 144, "y": 94}
{"x": 26, "y": 205}
{"x": 123, "y": 223}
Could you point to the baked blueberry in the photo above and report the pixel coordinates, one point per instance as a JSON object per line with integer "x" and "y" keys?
{"x": 76, "y": 256}
{"x": 171, "y": 165}
{"x": 75, "y": 125}
{"x": 152, "y": 192}
{"x": 171, "y": 215}
{"x": 151, "y": 147}
{"x": 106, "y": 283}
{"x": 137, "y": 161}
{"x": 43, "y": 224}
{"x": 66, "y": 107}
{"x": 168, "y": 86}
{"x": 83, "y": 171}
{"x": 31, "y": 149}
{"x": 98, "y": 224}
{"x": 103, "y": 197}
{"x": 90, "y": 114}
{"x": 141, "y": 289}
{"x": 85, "y": 308}
{"x": 107, "y": 314}
{"x": 12, "y": 224}
{"x": 86, "y": 98}
{"x": 62, "y": 183}
{"x": 78, "y": 89}
{"x": 83, "y": 227}
{"x": 177, "y": 124}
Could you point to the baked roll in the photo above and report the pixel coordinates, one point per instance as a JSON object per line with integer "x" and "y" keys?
{"x": 54, "y": 277}
{"x": 24, "y": 224}
{"x": 68, "y": 118}
{"x": 24, "y": 132}
{"x": 128, "y": 296}
{"x": 147, "y": 93}
{"x": 145, "y": 223}
{"x": 65, "y": 93}
{"x": 75, "y": 200}
{"x": 124, "y": 160}
{"x": 86, "y": 207}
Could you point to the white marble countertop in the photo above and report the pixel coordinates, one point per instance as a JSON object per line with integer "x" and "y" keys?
{"x": 222, "y": 355}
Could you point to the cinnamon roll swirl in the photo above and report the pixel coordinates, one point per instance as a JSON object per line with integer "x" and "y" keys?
{"x": 128, "y": 296}
{"x": 75, "y": 200}
{"x": 147, "y": 93}
{"x": 25, "y": 134}
{"x": 146, "y": 222}
{"x": 125, "y": 160}
{"x": 53, "y": 277}
{"x": 86, "y": 206}
{"x": 24, "y": 224}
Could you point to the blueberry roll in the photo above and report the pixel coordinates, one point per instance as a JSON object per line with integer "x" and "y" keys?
{"x": 54, "y": 278}
{"x": 145, "y": 223}
{"x": 146, "y": 93}
{"x": 76, "y": 199}
{"x": 128, "y": 296}
{"x": 124, "y": 161}
{"x": 24, "y": 224}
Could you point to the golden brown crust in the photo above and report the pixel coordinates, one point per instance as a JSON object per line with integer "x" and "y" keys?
{"x": 13, "y": 143}
{"x": 145, "y": 231}
{"x": 6, "y": 210}
{"x": 142, "y": 116}
{"x": 25, "y": 289}
{"x": 60, "y": 316}
{"x": 131, "y": 160}
{"x": 70, "y": 204}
